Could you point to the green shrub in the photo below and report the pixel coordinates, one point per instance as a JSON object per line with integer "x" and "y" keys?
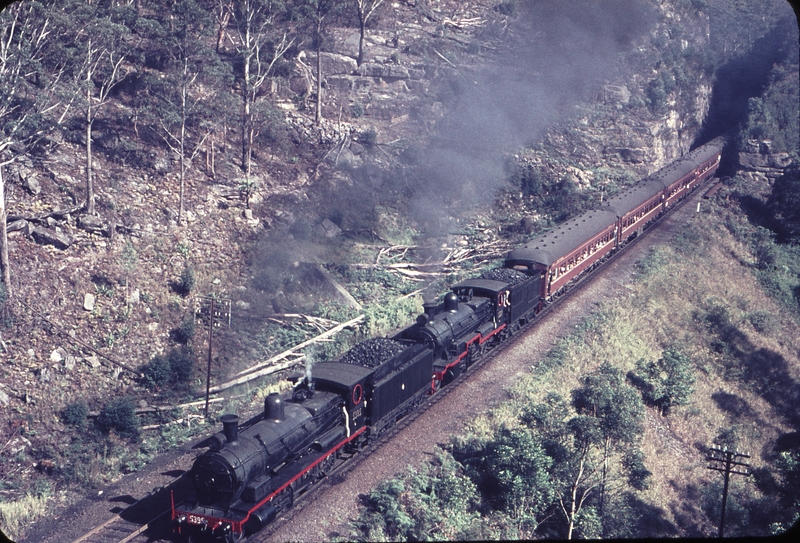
{"x": 667, "y": 382}
{"x": 157, "y": 372}
{"x": 187, "y": 280}
{"x": 119, "y": 416}
{"x": 75, "y": 415}
{"x": 507, "y": 7}
{"x": 185, "y": 332}
{"x": 181, "y": 363}
{"x": 762, "y": 321}
{"x": 176, "y": 368}
{"x": 368, "y": 138}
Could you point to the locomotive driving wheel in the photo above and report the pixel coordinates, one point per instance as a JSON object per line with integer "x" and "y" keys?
{"x": 326, "y": 466}
{"x": 234, "y": 537}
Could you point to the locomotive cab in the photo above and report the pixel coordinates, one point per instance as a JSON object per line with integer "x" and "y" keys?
{"x": 451, "y": 321}
{"x": 497, "y": 293}
{"x": 349, "y": 382}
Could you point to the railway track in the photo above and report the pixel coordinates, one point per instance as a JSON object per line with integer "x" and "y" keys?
{"x": 114, "y": 530}
{"x": 144, "y": 520}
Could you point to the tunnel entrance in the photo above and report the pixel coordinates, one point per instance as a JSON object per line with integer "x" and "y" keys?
{"x": 743, "y": 78}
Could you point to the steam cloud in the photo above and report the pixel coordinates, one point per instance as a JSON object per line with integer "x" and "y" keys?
{"x": 561, "y": 49}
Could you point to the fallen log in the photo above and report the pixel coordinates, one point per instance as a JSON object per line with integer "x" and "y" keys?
{"x": 267, "y": 367}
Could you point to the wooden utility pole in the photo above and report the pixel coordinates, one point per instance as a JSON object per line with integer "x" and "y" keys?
{"x": 216, "y": 312}
{"x": 725, "y": 461}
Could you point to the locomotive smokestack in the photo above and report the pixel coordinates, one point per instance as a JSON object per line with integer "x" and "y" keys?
{"x": 273, "y": 407}
{"x": 230, "y": 427}
{"x": 430, "y": 308}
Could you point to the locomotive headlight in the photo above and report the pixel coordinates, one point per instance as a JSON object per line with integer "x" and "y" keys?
{"x": 182, "y": 519}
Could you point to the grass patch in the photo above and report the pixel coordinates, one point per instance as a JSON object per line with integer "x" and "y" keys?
{"x": 17, "y": 515}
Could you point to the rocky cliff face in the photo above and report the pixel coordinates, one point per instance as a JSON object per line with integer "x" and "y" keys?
{"x": 648, "y": 112}
{"x": 758, "y": 161}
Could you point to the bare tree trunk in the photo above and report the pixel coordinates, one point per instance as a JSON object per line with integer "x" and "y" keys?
{"x": 246, "y": 114}
{"x": 606, "y": 452}
{"x": 362, "y": 23}
{"x": 183, "y": 171}
{"x": 182, "y": 144}
{"x": 4, "y": 238}
{"x": 318, "y": 110}
{"x": 223, "y": 24}
{"x": 89, "y": 181}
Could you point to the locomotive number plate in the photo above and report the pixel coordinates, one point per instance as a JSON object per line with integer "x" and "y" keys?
{"x": 194, "y": 519}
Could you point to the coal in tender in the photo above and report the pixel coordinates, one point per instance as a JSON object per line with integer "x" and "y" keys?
{"x": 507, "y": 275}
{"x": 373, "y": 352}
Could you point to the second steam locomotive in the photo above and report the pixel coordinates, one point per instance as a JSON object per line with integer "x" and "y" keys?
{"x": 251, "y": 471}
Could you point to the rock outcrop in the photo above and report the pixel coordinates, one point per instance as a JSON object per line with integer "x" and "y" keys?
{"x": 757, "y": 160}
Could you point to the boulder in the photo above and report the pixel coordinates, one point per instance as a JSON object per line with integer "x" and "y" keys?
{"x": 43, "y": 374}
{"x": 771, "y": 163}
{"x": 43, "y": 236}
{"x": 58, "y": 355}
{"x": 635, "y": 156}
{"x": 616, "y": 93}
{"x": 332, "y": 63}
{"x": 20, "y": 224}
{"x": 385, "y": 71}
{"x": 17, "y": 445}
{"x": 30, "y": 181}
{"x": 93, "y": 361}
{"x": 91, "y": 224}
{"x": 329, "y": 229}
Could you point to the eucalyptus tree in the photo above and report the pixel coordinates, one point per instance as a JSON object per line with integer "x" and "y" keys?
{"x": 29, "y": 107}
{"x": 605, "y": 417}
{"x": 605, "y": 396}
{"x": 188, "y": 91}
{"x": 364, "y": 10}
{"x": 520, "y": 470}
{"x": 318, "y": 14}
{"x": 95, "y": 40}
{"x": 263, "y": 39}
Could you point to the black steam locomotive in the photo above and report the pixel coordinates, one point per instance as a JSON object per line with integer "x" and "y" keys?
{"x": 252, "y": 471}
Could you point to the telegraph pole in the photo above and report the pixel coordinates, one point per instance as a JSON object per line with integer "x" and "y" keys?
{"x": 726, "y": 461}
{"x": 215, "y": 311}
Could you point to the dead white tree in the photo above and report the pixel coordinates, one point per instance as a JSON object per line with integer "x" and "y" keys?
{"x": 364, "y": 9}
{"x": 25, "y": 109}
